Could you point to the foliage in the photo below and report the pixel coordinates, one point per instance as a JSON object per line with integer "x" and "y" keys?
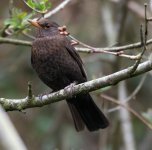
{"x": 41, "y": 6}
{"x": 18, "y": 19}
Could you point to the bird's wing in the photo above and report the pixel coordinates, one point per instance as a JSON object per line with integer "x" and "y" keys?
{"x": 76, "y": 57}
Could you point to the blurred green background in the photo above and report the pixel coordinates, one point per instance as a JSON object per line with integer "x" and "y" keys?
{"x": 98, "y": 23}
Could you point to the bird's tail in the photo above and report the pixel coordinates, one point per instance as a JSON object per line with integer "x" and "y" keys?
{"x": 85, "y": 112}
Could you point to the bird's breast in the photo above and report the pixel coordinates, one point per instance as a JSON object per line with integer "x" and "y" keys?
{"x": 53, "y": 63}
{"x": 49, "y": 59}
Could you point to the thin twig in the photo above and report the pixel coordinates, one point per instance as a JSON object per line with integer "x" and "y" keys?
{"x": 129, "y": 109}
{"x": 137, "y": 89}
{"x": 15, "y": 41}
{"x": 146, "y": 25}
{"x": 81, "y": 49}
{"x": 52, "y": 12}
{"x": 136, "y": 8}
{"x": 134, "y": 67}
{"x": 95, "y": 50}
{"x": 57, "y": 9}
{"x": 142, "y": 42}
{"x": 30, "y": 93}
{"x": 133, "y": 94}
{"x": 28, "y": 35}
{"x": 116, "y": 48}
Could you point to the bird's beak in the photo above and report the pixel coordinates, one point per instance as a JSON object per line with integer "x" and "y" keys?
{"x": 34, "y": 23}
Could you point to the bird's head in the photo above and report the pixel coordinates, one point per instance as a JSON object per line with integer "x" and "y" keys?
{"x": 45, "y": 27}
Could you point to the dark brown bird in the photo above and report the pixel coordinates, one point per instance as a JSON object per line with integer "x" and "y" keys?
{"x": 58, "y": 65}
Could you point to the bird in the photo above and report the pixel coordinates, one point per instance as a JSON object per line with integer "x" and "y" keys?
{"x": 58, "y": 65}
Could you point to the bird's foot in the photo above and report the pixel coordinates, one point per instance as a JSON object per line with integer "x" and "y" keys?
{"x": 44, "y": 94}
{"x": 69, "y": 89}
{"x": 63, "y": 31}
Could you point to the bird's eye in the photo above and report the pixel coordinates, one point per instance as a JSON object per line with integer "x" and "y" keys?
{"x": 46, "y": 25}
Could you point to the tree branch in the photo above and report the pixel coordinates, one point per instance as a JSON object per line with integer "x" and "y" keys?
{"x": 80, "y": 49}
{"x": 57, "y": 9}
{"x": 15, "y": 41}
{"x": 20, "y": 104}
{"x": 148, "y": 124}
{"x": 50, "y": 13}
{"x": 8, "y": 133}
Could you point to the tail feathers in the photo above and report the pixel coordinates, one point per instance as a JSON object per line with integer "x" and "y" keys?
{"x": 78, "y": 122}
{"x": 91, "y": 115}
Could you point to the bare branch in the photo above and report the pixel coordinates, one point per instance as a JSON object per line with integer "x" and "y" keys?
{"x": 15, "y": 41}
{"x": 57, "y": 9}
{"x": 143, "y": 42}
{"x": 94, "y": 50}
{"x": 129, "y": 109}
{"x": 30, "y": 93}
{"x": 132, "y": 95}
{"x": 20, "y": 104}
{"x": 10, "y": 139}
{"x": 80, "y": 49}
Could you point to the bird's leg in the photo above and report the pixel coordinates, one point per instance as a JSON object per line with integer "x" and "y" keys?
{"x": 69, "y": 88}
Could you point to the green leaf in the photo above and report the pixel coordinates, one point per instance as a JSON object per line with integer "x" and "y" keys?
{"x": 18, "y": 19}
{"x": 41, "y": 5}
